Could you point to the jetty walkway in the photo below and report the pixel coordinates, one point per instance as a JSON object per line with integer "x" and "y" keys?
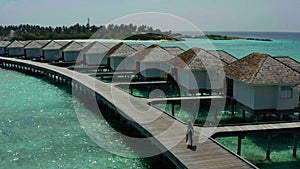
{"x": 289, "y": 127}
{"x": 164, "y": 131}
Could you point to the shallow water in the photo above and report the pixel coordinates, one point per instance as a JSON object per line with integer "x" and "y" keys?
{"x": 253, "y": 149}
{"x": 39, "y": 129}
{"x": 240, "y": 48}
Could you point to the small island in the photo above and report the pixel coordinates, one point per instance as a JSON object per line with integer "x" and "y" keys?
{"x": 152, "y": 36}
{"x": 221, "y": 37}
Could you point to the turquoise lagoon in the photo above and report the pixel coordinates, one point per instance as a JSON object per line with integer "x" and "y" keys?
{"x": 39, "y": 129}
{"x": 240, "y": 48}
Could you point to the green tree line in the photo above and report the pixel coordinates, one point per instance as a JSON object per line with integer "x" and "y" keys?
{"x": 36, "y": 32}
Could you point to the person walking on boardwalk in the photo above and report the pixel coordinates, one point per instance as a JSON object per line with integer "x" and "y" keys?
{"x": 189, "y": 134}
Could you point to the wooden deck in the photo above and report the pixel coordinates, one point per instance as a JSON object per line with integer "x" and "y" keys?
{"x": 258, "y": 129}
{"x": 88, "y": 67}
{"x": 186, "y": 98}
{"x": 141, "y": 83}
{"x": 166, "y": 131}
{"x": 112, "y": 73}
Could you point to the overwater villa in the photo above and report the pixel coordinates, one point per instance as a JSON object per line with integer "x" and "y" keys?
{"x": 94, "y": 54}
{"x": 195, "y": 70}
{"x": 3, "y": 46}
{"x": 261, "y": 84}
{"x": 34, "y": 48}
{"x": 151, "y": 62}
{"x": 72, "y": 51}
{"x": 175, "y": 50}
{"x": 117, "y": 54}
{"x": 225, "y": 56}
{"x": 16, "y": 48}
{"x": 53, "y": 51}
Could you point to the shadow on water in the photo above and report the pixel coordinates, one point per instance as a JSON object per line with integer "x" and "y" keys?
{"x": 254, "y": 150}
{"x": 279, "y": 142}
{"x": 114, "y": 120}
{"x": 279, "y": 165}
{"x": 117, "y": 122}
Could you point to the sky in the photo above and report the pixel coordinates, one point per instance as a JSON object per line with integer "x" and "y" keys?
{"x": 181, "y": 15}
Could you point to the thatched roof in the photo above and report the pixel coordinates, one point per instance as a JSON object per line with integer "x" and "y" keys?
{"x": 4, "y": 43}
{"x": 36, "y": 44}
{"x": 120, "y": 49}
{"x": 95, "y": 47}
{"x": 138, "y": 46}
{"x": 16, "y": 44}
{"x": 153, "y": 53}
{"x": 25, "y": 42}
{"x": 258, "y": 68}
{"x": 223, "y": 55}
{"x": 73, "y": 46}
{"x": 43, "y": 42}
{"x": 109, "y": 45}
{"x": 63, "y": 43}
{"x": 56, "y": 45}
{"x": 197, "y": 59}
{"x": 289, "y": 61}
{"x": 174, "y": 50}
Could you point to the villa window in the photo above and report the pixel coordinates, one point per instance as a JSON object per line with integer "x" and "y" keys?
{"x": 286, "y": 92}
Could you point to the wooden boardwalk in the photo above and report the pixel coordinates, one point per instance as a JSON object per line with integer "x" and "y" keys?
{"x": 208, "y": 155}
{"x": 141, "y": 83}
{"x": 257, "y": 128}
{"x": 186, "y": 98}
{"x": 113, "y": 73}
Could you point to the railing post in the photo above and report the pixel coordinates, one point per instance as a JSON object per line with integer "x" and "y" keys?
{"x": 173, "y": 109}
{"x": 268, "y": 151}
{"x": 295, "y": 145}
{"x": 239, "y": 148}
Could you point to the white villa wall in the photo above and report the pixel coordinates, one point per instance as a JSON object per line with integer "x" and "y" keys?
{"x": 16, "y": 51}
{"x": 70, "y": 56}
{"x": 95, "y": 58}
{"x": 183, "y": 78}
{"x": 296, "y": 97}
{"x": 53, "y": 54}
{"x": 2, "y": 50}
{"x": 243, "y": 93}
{"x": 201, "y": 80}
{"x": 151, "y": 69}
{"x": 284, "y": 103}
{"x": 264, "y": 97}
{"x": 30, "y": 53}
{"x": 117, "y": 64}
{"x": 154, "y": 69}
{"x": 192, "y": 79}
{"x": 215, "y": 80}
{"x": 128, "y": 64}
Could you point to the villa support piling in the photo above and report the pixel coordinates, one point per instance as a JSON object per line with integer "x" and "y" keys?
{"x": 239, "y": 148}
{"x": 244, "y": 115}
{"x": 295, "y": 145}
{"x": 232, "y": 108}
{"x": 173, "y": 109}
{"x": 268, "y": 151}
